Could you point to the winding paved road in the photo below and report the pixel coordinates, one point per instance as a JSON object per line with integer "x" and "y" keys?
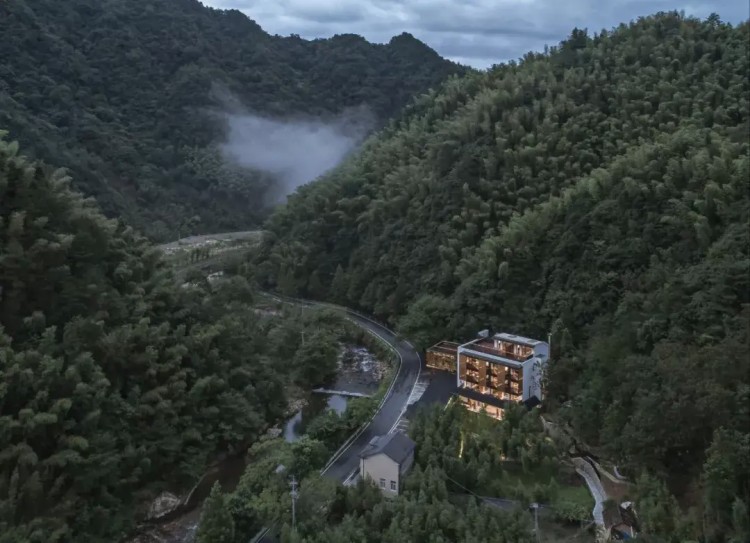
{"x": 346, "y": 460}
{"x": 393, "y": 405}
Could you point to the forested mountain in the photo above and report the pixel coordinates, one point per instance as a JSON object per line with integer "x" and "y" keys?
{"x": 121, "y": 93}
{"x": 115, "y": 381}
{"x": 598, "y": 191}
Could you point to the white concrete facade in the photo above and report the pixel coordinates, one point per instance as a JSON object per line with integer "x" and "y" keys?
{"x": 385, "y": 472}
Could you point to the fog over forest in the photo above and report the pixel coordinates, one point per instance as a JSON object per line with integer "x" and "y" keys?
{"x": 296, "y": 151}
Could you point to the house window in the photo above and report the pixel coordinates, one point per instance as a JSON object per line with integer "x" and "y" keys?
{"x": 393, "y": 486}
{"x": 382, "y": 483}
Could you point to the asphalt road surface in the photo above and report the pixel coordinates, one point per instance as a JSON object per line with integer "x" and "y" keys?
{"x": 345, "y": 462}
{"x": 393, "y": 406}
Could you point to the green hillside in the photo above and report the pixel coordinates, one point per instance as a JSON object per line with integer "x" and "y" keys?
{"x": 116, "y": 380}
{"x": 124, "y": 94}
{"x": 597, "y": 192}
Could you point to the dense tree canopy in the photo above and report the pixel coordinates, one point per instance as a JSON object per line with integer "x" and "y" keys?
{"x": 431, "y": 506}
{"x": 115, "y": 380}
{"x": 121, "y": 92}
{"x": 216, "y": 525}
{"x": 597, "y": 192}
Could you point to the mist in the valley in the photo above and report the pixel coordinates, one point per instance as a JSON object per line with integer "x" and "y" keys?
{"x": 294, "y": 151}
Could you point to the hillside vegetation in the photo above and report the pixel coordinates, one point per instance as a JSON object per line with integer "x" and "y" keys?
{"x": 597, "y": 192}
{"x": 430, "y": 505}
{"x": 125, "y": 93}
{"x": 116, "y": 381}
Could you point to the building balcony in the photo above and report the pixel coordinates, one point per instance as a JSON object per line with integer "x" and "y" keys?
{"x": 500, "y": 387}
{"x": 513, "y": 356}
{"x": 471, "y": 367}
{"x": 505, "y": 376}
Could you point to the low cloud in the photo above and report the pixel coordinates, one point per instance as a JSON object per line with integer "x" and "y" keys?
{"x": 294, "y": 151}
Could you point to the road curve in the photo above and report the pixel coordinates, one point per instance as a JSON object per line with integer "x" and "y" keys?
{"x": 346, "y": 460}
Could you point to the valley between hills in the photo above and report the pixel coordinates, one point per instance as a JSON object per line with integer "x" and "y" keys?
{"x": 506, "y": 305}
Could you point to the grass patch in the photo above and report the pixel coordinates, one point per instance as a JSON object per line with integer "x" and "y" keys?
{"x": 549, "y": 484}
{"x": 578, "y": 494}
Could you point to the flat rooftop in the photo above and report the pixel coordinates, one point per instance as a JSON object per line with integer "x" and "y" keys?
{"x": 519, "y": 340}
{"x": 487, "y": 346}
{"x": 447, "y": 347}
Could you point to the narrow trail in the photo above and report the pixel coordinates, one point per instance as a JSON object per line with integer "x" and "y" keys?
{"x": 589, "y": 475}
{"x": 192, "y": 241}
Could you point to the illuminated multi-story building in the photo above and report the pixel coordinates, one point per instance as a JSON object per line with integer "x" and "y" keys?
{"x": 495, "y": 371}
{"x": 442, "y": 356}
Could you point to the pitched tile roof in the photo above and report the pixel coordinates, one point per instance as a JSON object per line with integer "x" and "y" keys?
{"x": 396, "y": 446}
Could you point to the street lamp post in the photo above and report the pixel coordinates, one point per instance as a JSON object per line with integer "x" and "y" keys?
{"x": 295, "y": 494}
{"x": 535, "y": 507}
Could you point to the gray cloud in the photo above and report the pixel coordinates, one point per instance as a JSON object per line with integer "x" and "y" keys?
{"x": 331, "y": 14}
{"x": 475, "y": 32}
{"x": 293, "y": 151}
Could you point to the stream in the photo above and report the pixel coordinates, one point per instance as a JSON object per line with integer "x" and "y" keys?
{"x": 296, "y": 426}
{"x": 358, "y": 371}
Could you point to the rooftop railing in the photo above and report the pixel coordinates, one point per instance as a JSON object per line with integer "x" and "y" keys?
{"x": 497, "y": 352}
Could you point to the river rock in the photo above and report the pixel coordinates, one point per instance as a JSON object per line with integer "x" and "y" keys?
{"x": 295, "y": 405}
{"x": 164, "y": 503}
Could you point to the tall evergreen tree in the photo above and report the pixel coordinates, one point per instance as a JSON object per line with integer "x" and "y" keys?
{"x": 216, "y": 525}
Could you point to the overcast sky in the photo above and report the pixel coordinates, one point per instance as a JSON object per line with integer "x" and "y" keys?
{"x": 475, "y": 32}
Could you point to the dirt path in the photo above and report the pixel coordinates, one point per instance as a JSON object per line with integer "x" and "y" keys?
{"x": 183, "y": 243}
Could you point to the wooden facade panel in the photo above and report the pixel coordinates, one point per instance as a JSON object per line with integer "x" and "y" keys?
{"x": 442, "y": 356}
{"x": 478, "y": 406}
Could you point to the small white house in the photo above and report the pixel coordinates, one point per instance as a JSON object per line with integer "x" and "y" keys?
{"x": 386, "y": 461}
